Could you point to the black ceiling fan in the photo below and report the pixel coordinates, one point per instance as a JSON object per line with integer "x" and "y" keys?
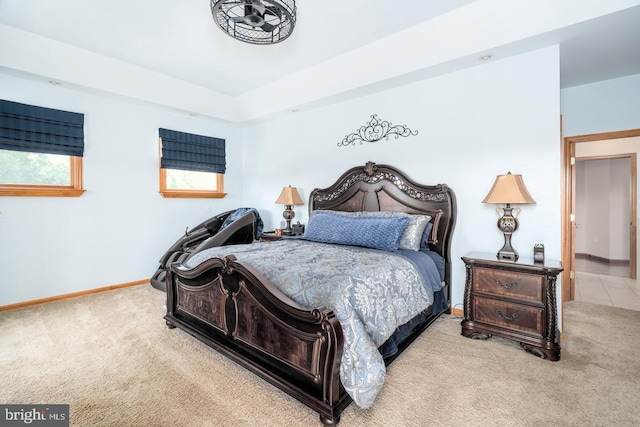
{"x": 255, "y": 21}
{"x": 254, "y": 15}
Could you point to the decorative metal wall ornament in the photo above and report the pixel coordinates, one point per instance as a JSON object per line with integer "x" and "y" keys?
{"x": 255, "y": 21}
{"x": 375, "y": 130}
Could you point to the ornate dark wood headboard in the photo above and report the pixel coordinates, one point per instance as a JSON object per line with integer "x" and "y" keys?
{"x": 374, "y": 187}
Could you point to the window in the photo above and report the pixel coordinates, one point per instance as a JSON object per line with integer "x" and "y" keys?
{"x": 191, "y": 165}
{"x": 40, "y": 151}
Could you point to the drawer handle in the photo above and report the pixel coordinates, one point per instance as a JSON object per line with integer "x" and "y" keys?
{"x": 507, "y": 285}
{"x": 508, "y": 318}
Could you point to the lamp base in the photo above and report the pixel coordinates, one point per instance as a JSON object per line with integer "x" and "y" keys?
{"x": 508, "y": 224}
{"x": 507, "y": 253}
{"x": 507, "y": 256}
{"x": 288, "y": 215}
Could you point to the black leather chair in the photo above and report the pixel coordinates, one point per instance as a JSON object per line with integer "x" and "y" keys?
{"x": 238, "y": 226}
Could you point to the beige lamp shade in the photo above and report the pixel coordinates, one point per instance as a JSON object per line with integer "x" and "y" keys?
{"x": 289, "y": 196}
{"x": 508, "y": 189}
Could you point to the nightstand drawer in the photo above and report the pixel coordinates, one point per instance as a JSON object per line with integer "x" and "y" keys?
{"x": 509, "y": 284}
{"x": 513, "y": 316}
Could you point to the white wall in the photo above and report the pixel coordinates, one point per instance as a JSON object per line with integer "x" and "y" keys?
{"x": 581, "y": 206}
{"x": 620, "y": 199}
{"x": 119, "y": 228}
{"x": 473, "y": 125}
{"x": 606, "y": 106}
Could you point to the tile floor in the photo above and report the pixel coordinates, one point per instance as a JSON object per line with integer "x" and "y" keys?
{"x": 599, "y": 283}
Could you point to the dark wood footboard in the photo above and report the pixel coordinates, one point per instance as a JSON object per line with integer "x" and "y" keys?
{"x": 237, "y": 311}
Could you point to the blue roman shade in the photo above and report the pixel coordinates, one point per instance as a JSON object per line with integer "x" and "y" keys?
{"x": 186, "y": 151}
{"x": 40, "y": 130}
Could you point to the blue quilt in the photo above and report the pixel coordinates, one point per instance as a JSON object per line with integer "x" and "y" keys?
{"x": 372, "y": 293}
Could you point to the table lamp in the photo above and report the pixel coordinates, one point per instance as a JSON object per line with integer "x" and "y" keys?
{"x": 508, "y": 189}
{"x": 289, "y": 197}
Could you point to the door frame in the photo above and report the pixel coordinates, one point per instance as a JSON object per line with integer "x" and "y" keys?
{"x": 568, "y": 206}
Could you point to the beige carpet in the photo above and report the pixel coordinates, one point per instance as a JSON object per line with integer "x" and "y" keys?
{"x": 112, "y": 359}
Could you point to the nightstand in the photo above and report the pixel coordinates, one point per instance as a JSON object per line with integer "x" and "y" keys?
{"x": 270, "y": 236}
{"x": 514, "y": 300}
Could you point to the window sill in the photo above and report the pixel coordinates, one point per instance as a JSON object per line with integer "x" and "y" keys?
{"x": 191, "y": 194}
{"x": 39, "y": 191}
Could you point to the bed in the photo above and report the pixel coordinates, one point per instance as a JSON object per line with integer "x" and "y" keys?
{"x": 269, "y": 307}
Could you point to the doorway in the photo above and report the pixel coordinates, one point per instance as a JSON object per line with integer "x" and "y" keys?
{"x": 602, "y": 214}
{"x": 607, "y": 146}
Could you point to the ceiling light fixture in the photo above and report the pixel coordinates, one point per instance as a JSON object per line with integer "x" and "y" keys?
{"x": 255, "y": 21}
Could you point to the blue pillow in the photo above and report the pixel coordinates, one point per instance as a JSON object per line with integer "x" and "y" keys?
{"x": 382, "y": 233}
{"x": 437, "y": 259}
{"x": 424, "y": 242}
{"x": 413, "y": 234}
